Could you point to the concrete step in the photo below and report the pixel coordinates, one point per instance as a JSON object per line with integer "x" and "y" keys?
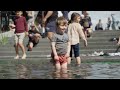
{"x": 106, "y": 31}
{"x": 42, "y": 48}
{"x": 98, "y": 42}
{"x": 83, "y": 59}
{"x": 90, "y": 41}
{"x": 48, "y": 52}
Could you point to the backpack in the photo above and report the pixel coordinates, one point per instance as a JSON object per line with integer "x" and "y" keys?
{"x": 86, "y": 22}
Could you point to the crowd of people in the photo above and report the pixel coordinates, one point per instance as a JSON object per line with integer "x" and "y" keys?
{"x": 64, "y": 35}
{"x": 111, "y": 24}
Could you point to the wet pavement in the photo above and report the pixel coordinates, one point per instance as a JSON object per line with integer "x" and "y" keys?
{"x": 43, "y": 69}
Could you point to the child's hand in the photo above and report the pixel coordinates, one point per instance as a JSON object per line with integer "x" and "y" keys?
{"x": 67, "y": 55}
{"x": 85, "y": 44}
{"x": 26, "y": 33}
{"x": 30, "y": 35}
{"x": 12, "y": 26}
{"x": 56, "y": 57}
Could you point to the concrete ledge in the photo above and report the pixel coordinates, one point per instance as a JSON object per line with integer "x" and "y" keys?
{"x": 83, "y": 58}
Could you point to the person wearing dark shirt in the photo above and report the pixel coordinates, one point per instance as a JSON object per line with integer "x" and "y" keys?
{"x": 86, "y": 23}
{"x": 50, "y": 21}
{"x": 65, "y": 14}
{"x": 21, "y": 30}
{"x": 34, "y": 37}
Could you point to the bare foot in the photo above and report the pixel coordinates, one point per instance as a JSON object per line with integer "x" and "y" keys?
{"x": 17, "y": 57}
{"x": 24, "y": 56}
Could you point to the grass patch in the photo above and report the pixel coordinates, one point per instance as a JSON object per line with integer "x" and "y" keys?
{"x": 4, "y": 39}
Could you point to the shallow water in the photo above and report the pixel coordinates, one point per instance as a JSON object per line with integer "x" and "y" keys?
{"x": 37, "y": 69}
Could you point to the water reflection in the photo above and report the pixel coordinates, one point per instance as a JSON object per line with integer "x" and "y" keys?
{"x": 23, "y": 71}
{"x": 61, "y": 75}
{"x": 45, "y": 70}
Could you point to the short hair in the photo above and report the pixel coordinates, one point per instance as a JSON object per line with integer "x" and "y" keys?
{"x": 61, "y": 20}
{"x": 19, "y": 11}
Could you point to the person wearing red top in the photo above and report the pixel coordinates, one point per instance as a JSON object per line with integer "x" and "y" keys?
{"x": 20, "y": 28}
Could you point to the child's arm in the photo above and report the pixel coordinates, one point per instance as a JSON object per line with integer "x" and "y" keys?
{"x": 53, "y": 44}
{"x": 82, "y": 35}
{"x": 26, "y": 26}
{"x": 49, "y": 13}
{"x": 68, "y": 50}
{"x": 54, "y": 51}
{"x": 53, "y": 48}
{"x": 11, "y": 26}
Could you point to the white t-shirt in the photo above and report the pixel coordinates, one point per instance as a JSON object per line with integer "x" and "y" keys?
{"x": 60, "y": 14}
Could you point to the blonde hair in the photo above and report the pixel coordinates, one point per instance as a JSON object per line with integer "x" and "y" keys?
{"x": 61, "y": 20}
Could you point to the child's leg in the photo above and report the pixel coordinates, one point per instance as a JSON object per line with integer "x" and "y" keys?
{"x": 64, "y": 72}
{"x": 57, "y": 67}
{"x": 78, "y": 59}
{"x": 31, "y": 45}
{"x": 69, "y": 59}
{"x": 77, "y": 53}
{"x": 16, "y": 47}
{"x": 88, "y": 32}
{"x": 85, "y": 32}
{"x": 64, "y": 67}
{"x": 37, "y": 38}
{"x": 22, "y": 35}
{"x": 37, "y": 35}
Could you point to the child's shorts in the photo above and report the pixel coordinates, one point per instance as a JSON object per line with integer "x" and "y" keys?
{"x": 62, "y": 59}
{"x": 76, "y": 49}
{"x": 19, "y": 37}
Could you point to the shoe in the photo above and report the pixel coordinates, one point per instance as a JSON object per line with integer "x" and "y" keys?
{"x": 24, "y": 56}
{"x": 17, "y": 57}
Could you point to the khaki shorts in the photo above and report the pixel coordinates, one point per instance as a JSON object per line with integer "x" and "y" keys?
{"x": 19, "y": 37}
